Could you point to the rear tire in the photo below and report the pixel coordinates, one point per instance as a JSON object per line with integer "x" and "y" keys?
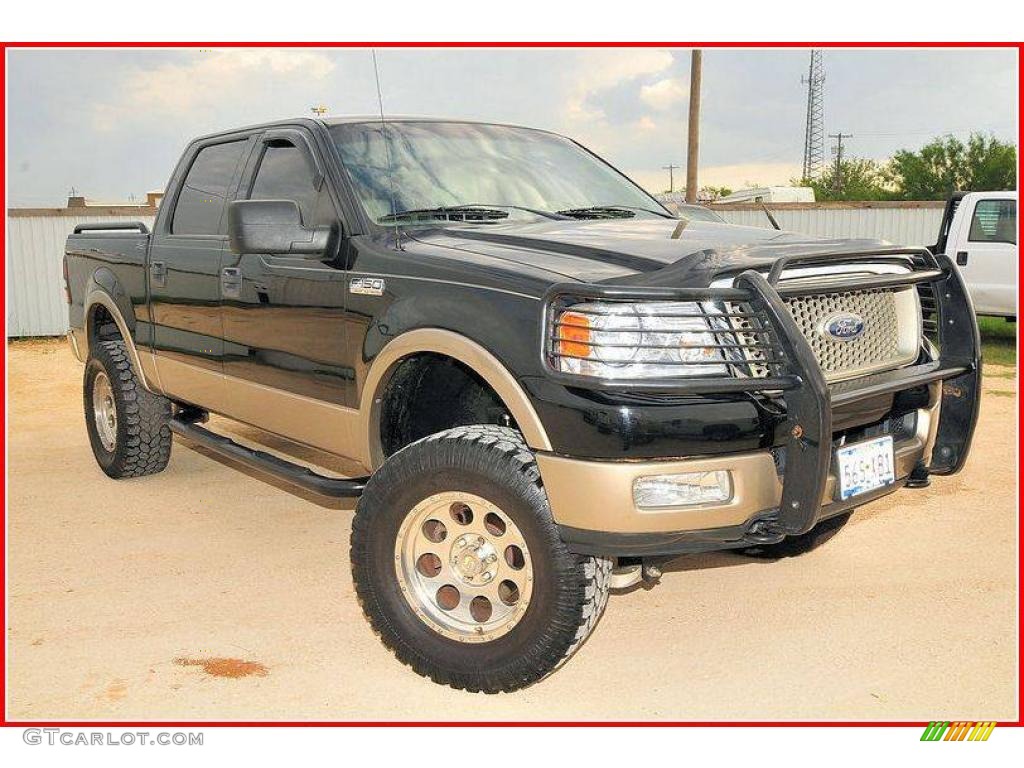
{"x": 127, "y": 423}
{"x": 481, "y": 484}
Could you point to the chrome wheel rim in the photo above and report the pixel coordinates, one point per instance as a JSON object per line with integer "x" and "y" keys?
{"x": 104, "y": 411}
{"x": 463, "y": 567}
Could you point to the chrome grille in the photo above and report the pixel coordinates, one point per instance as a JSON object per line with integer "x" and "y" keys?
{"x": 891, "y": 337}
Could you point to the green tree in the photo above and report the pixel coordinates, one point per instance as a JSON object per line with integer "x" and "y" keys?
{"x": 708, "y": 192}
{"x": 854, "y": 179}
{"x": 946, "y": 164}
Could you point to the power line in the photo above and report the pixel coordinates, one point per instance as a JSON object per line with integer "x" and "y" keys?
{"x": 814, "y": 131}
{"x": 928, "y": 132}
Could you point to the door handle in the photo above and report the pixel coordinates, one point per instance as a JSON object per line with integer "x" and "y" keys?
{"x": 158, "y": 273}
{"x": 961, "y": 258}
{"x": 231, "y": 282}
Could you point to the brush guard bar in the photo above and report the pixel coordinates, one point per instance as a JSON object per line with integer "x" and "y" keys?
{"x": 794, "y": 369}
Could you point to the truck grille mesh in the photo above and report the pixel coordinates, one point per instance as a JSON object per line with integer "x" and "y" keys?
{"x": 890, "y": 338}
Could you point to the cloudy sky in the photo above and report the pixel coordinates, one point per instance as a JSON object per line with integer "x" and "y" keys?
{"x": 112, "y": 123}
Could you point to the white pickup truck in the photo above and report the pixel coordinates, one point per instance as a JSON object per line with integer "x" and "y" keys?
{"x": 979, "y": 233}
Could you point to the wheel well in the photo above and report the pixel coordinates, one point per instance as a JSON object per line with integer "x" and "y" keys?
{"x": 102, "y": 326}
{"x": 429, "y": 393}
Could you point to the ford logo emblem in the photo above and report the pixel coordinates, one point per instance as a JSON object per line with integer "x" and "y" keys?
{"x": 842, "y": 326}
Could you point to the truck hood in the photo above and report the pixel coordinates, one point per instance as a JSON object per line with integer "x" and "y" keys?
{"x": 633, "y": 251}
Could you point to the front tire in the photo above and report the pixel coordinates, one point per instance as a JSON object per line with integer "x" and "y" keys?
{"x": 127, "y": 423}
{"x": 459, "y": 566}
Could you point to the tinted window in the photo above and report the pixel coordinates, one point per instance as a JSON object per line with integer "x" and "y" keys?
{"x": 994, "y": 221}
{"x": 201, "y": 201}
{"x": 285, "y": 174}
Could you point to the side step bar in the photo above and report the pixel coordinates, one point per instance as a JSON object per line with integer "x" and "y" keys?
{"x": 184, "y": 424}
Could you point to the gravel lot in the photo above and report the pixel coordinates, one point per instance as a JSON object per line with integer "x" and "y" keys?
{"x": 210, "y": 593}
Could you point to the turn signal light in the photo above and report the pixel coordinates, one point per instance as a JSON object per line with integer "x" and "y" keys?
{"x": 574, "y": 334}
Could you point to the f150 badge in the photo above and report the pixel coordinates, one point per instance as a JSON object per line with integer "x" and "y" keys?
{"x": 842, "y": 326}
{"x": 368, "y": 286}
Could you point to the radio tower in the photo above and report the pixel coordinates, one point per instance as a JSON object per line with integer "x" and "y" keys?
{"x": 814, "y": 136}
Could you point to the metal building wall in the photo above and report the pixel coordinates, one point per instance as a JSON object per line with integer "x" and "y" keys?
{"x": 35, "y": 282}
{"x": 902, "y": 226}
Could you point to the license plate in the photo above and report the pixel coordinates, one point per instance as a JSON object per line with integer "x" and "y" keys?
{"x": 865, "y": 466}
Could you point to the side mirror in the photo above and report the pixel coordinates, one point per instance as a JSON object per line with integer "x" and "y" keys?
{"x": 274, "y": 227}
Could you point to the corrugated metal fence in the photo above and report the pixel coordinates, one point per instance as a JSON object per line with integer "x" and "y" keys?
{"x": 908, "y": 224}
{"x": 35, "y": 252}
{"x": 35, "y": 244}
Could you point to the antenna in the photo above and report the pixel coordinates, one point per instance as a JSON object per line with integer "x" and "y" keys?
{"x": 814, "y": 131}
{"x": 387, "y": 148}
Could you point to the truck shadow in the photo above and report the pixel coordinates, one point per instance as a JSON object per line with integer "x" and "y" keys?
{"x": 318, "y": 461}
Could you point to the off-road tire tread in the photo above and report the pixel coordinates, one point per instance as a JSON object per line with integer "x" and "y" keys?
{"x": 145, "y": 447}
{"x": 591, "y": 575}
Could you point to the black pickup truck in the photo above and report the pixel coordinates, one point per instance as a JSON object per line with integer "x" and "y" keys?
{"x": 552, "y": 385}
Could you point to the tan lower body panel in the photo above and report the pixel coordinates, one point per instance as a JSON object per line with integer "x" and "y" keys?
{"x": 598, "y": 495}
{"x": 76, "y": 348}
{"x": 347, "y": 432}
{"x": 315, "y": 423}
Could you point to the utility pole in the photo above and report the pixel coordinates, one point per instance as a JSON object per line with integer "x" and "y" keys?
{"x": 814, "y": 131}
{"x": 837, "y": 181}
{"x": 671, "y": 179}
{"x": 693, "y": 140}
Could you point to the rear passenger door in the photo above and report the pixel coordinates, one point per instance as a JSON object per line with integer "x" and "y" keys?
{"x": 184, "y": 272}
{"x": 284, "y": 315}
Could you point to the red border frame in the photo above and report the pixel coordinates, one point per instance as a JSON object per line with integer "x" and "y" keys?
{"x": 4, "y": 722}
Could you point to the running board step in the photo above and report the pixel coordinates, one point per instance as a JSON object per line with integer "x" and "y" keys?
{"x": 184, "y": 425}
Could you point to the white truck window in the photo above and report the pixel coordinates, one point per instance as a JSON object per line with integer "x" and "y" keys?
{"x": 994, "y": 221}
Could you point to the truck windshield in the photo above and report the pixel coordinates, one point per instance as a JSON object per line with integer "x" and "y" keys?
{"x": 468, "y": 172}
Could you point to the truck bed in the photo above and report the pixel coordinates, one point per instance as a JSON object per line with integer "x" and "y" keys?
{"x": 109, "y": 255}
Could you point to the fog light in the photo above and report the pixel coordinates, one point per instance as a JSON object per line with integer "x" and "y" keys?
{"x": 682, "y": 490}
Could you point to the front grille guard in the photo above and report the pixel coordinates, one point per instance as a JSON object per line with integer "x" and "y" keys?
{"x": 796, "y": 372}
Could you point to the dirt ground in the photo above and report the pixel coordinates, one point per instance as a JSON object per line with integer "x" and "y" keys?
{"x": 209, "y": 593}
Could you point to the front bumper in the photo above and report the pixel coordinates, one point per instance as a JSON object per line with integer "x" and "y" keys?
{"x": 592, "y": 500}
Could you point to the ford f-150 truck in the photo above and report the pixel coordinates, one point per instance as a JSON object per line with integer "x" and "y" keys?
{"x": 551, "y": 384}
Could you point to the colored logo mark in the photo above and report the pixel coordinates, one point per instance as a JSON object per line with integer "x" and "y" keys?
{"x": 959, "y": 731}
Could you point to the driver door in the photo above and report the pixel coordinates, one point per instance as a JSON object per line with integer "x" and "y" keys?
{"x": 283, "y": 315}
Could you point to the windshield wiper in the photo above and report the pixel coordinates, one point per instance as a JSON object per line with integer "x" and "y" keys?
{"x": 599, "y": 212}
{"x": 446, "y": 213}
{"x": 534, "y": 211}
{"x": 466, "y": 212}
{"x": 609, "y": 212}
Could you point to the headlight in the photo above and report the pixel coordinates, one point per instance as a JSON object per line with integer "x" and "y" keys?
{"x": 657, "y": 339}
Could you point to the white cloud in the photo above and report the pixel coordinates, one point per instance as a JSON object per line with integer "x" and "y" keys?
{"x": 663, "y": 94}
{"x": 209, "y": 81}
{"x": 600, "y": 70}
